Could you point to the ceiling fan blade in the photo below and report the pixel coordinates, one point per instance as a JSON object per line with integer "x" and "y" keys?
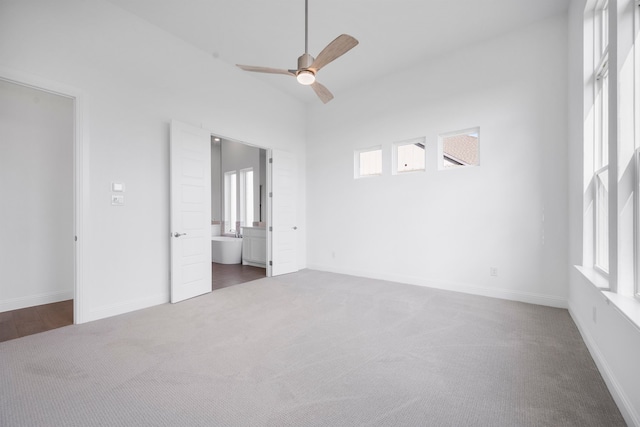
{"x": 265, "y": 70}
{"x": 322, "y": 92}
{"x": 341, "y": 45}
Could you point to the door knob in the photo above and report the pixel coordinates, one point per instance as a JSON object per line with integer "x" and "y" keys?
{"x": 295, "y": 228}
{"x": 179, "y": 234}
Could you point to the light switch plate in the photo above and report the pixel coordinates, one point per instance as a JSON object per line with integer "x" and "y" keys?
{"x": 117, "y": 199}
{"x": 117, "y": 187}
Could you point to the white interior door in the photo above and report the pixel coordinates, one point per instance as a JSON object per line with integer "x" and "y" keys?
{"x": 190, "y": 162}
{"x": 284, "y": 235}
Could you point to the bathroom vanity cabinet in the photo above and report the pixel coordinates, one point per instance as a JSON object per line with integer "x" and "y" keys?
{"x": 254, "y": 246}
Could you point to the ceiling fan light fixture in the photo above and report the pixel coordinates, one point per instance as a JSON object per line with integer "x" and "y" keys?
{"x": 308, "y": 66}
{"x": 306, "y": 77}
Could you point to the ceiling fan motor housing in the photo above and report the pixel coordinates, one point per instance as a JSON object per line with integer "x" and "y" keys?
{"x": 305, "y": 61}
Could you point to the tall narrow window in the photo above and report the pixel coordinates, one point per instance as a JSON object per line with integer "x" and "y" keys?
{"x": 230, "y": 201}
{"x": 637, "y": 224}
{"x": 636, "y": 122}
{"x": 246, "y": 197}
{"x": 409, "y": 156}
{"x": 601, "y": 138}
{"x": 368, "y": 162}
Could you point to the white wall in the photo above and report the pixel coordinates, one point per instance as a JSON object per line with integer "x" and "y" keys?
{"x": 135, "y": 78}
{"x": 613, "y": 340}
{"x": 36, "y": 183}
{"x": 447, "y": 228}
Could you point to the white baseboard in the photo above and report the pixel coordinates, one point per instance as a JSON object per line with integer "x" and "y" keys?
{"x": 124, "y": 307}
{"x": 508, "y": 294}
{"x": 618, "y": 394}
{"x": 32, "y": 300}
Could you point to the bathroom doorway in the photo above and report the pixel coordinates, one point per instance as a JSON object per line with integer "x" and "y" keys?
{"x": 40, "y": 165}
{"x": 238, "y": 212}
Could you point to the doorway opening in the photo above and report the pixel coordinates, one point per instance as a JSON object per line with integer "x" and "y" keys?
{"x": 239, "y": 211}
{"x": 40, "y": 167}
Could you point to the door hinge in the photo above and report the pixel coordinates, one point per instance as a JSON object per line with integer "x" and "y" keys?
{"x": 270, "y": 228}
{"x": 271, "y": 160}
{"x": 75, "y": 238}
{"x": 270, "y": 194}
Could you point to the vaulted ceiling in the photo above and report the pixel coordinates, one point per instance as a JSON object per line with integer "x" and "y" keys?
{"x": 393, "y": 34}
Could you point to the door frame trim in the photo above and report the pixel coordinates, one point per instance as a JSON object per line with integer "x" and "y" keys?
{"x": 80, "y": 171}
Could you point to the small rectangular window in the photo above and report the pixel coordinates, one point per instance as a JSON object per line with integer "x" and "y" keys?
{"x": 368, "y": 162}
{"x": 459, "y": 149}
{"x": 409, "y": 156}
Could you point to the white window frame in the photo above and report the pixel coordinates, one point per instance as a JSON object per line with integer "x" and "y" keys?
{"x": 394, "y": 155}
{"x": 356, "y": 162}
{"x": 636, "y": 219}
{"x": 636, "y": 118}
{"x": 600, "y": 131}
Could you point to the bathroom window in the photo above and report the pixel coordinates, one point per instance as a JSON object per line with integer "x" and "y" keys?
{"x": 230, "y": 202}
{"x": 368, "y": 162}
{"x": 409, "y": 156}
{"x": 246, "y": 197}
{"x": 459, "y": 149}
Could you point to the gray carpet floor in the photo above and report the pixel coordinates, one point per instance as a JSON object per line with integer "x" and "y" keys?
{"x": 310, "y": 349}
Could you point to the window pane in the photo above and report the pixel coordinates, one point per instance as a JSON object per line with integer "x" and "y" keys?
{"x": 230, "y": 201}
{"x": 602, "y": 119}
{"x": 604, "y": 27}
{"x": 601, "y": 29}
{"x": 460, "y": 150}
{"x": 605, "y": 120}
{"x": 370, "y": 162}
{"x": 602, "y": 220}
{"x": 246, "y": 180}
{"x": 410, "y": 157}
{"x": 637, "y": 230}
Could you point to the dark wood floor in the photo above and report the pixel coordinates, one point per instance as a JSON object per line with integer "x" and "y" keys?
{"x": 224, "y": 275}
{"x": 31, "y": 320}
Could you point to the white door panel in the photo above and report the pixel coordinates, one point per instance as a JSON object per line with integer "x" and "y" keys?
{"x": 284, "y": 239}
{"x": 190, "y": 160}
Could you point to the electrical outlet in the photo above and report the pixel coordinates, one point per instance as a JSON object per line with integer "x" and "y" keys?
{"x": 493, "y": 271}
{"x": 117, "y": 199}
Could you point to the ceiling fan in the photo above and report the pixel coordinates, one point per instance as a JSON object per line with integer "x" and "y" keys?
{"x": 308, "y": 66}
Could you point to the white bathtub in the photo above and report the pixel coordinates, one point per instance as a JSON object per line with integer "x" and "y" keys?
{"x": 226, "y": 250}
